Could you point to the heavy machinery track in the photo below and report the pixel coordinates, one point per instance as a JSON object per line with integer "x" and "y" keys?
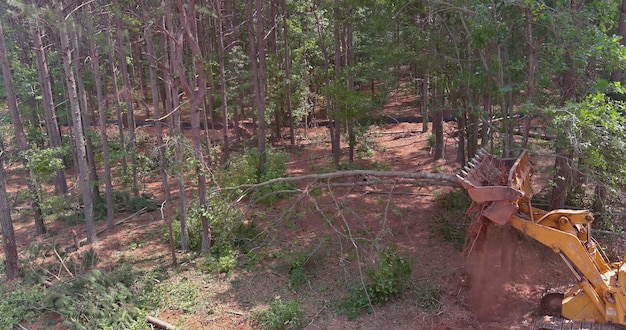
{"x": 557, "y": 323}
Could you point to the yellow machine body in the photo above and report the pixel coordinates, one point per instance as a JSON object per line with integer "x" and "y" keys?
{"x": 501, "y": 190}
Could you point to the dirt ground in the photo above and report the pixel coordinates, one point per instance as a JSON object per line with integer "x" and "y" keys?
{"x": 339, "y": 231}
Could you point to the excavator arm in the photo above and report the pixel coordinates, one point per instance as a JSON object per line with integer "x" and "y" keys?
{"x": 501, "y": 192}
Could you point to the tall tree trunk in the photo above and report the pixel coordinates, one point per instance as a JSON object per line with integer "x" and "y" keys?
{"x": 8, "y": 234}
{"x": 464, "y": 130}
{"x": 52, "y": 125}
{"x": 223, "y": 81}
{"x": 287, "y": 65}
{"x": 9, "y": 245}
{"x": 438, "y": 123}
{"x": 425, "y": 102}
{"x": 336, "y": 108}
{"x": 138, "y": 70}
{"x": 351, "y": 118}
{"x": 532, "y": 50}
{"x": 173, "y": 107}
{"x": 20, "y": 137}
{"x": 485, "y": 137}
{"x": 128, "y": 98}
{"x": 261, "y": 76}
{"x": 255, "y": 67}
{"x": 117, "y": 101}
{"x": 104, "y": 140}
{"x": 195, "y": 89}
{"x": 82, "y": 100}
{"x": 163, "y": 164}
{"x": 79, "y": 134}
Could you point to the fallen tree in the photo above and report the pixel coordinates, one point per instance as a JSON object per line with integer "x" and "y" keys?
{"x": 363, "y": 177}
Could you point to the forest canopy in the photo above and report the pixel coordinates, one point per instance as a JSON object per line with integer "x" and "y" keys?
{"x": 81, "y": 79}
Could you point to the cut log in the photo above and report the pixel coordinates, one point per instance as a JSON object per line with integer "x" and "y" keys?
{"x": 159, "y": 323}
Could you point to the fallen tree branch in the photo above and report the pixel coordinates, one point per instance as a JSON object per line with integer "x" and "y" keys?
{"x": 61, "y": 260}
{"x": 159, "y": 323}
{"x": 434, "y": 179}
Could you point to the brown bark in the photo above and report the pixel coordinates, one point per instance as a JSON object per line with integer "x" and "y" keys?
{"x": 287, "y": 65}
{"x": 116, "y": 92}
{"x": 52, "y": 126}
{"x": 532, "y": 49}
{"x": 159, "y": 323}
{"x": 82, "y": 99}
{"x": 127, "y": 96}
{"x": 351, "y": 118}
{"x": 221, "y": 49}
{"x": 257, "y": 66}
{"x": 20, "y": 136}
{"x": 438, "y": 152}
{"x": 8, "y": 234}
{"x": 422, "y": 179}
{"x": 335, "y": 109}
{"x": 195, "y": 89}
{"x": 163, "y": 164}
{"x": 172, "y": 108}
{"x": 79, "y": 134}
{"x": 95, "y": 66}
{"x": 261, "y": 76}
{"x": 425, "y": 102}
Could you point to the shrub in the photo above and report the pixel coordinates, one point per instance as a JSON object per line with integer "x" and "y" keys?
{"x": 451, "y": 223}
{"x": 388, "y": 280}
{"x": 297, "y": 275}
{"x": 227, "y": 228}
{"x": 94, "y": 300}
{"x": 281, "y": 315}
{"x": 244, "y": 169}
{"x": 19, "y": 304}
{"x": 97, "y": 299}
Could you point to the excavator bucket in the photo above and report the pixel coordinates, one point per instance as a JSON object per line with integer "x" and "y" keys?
{"x": 497, "y": 185}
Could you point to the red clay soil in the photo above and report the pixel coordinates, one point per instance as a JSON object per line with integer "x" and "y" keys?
{"x": 475, "y": 292}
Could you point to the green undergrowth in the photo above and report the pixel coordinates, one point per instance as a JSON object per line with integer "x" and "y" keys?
{"x": 451, "y": 222}
{"x": 388, "y": 280}
{"x": 117, "y": 299}
{"x": 280, "y": 315}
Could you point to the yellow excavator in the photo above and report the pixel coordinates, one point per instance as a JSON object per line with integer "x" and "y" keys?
{"x": 500, "y": 189}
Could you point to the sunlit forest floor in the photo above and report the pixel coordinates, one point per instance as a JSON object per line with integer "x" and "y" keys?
{"x": 304, "y": 250}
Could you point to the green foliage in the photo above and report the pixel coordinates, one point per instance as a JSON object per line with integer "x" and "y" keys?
{"x": 54, "y": 207}
{"x": 123, "y": 201}
{"x": 181, "y": 294}
{"x": 224, "y": 263}
{"x": 388, "y": 280}
{"x": 452, "y": 222}
{"x": 281, "y": 315}
{"x": 227, "y": 228}
{"x": 45, "y": 162}
{"x": 431, "y": 140}
{"x": 94, "y": 300}
{"x": 243, "y": 169}
{"x": 297, "y": 274}
{"x": 18, "y": 304}
{"x": 594, "y": 133}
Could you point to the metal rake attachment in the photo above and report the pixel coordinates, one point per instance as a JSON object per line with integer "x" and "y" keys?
{"x": 497, "y": 185}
